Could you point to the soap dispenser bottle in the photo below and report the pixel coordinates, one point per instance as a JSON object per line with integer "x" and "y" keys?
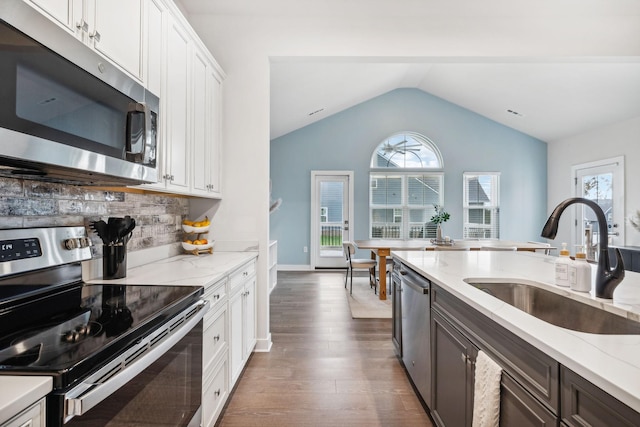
{"x": 562, "y": 264}
{"x": 582, "y": 271}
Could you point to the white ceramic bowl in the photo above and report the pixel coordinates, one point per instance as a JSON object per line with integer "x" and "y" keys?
{"x": 191, "y": 247}
{"x": 195, "y": 230}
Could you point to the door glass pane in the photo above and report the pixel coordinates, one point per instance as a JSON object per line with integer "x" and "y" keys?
{"x": 331, "y": 218}
{"x": 598, "y": 188}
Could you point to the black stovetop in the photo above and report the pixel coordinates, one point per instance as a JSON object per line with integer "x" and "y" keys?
{"x": 68, "y": 330}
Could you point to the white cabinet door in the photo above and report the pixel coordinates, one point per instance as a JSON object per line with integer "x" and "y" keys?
{"x": 117, "y": 32}
{"x": 176, "y": 90}
{"x": 206, "y": 128}
{"x": 214, "y": 131}
{"x": 114, "y": 28}
{"x": 152, "y": 45}
{"x": 249, "y": 317}
{"x": 64, "y": 12}
{"x": 200, "y": 154}
{"x": 236, "y": 344}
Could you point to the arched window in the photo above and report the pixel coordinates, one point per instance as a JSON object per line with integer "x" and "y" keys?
{"x": 407, "y": 150}
{"x": 406, "y": 183}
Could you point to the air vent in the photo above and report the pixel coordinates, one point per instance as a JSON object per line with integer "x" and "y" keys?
{"x": 515, "y": 113}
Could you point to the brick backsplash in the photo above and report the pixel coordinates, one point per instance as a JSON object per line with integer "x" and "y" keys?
{"x": 25, "y": 203}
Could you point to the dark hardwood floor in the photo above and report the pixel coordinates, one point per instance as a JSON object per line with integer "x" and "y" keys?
{"x": 325, "y": 368}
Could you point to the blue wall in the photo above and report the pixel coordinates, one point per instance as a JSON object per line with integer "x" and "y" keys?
{"x": 468, "y": 143}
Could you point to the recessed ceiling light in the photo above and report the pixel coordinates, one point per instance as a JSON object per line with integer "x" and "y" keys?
{"x": 515, "y": 113}
{"x": 316, "y": 111}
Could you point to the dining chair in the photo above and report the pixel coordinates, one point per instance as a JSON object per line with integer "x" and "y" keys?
{"x": 498, "y": 248}
{"x": 546, "y": 251}
{"x": 359, "y": 263}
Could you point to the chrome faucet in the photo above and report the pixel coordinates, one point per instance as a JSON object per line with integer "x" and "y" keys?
{"x": 606, "y": 278}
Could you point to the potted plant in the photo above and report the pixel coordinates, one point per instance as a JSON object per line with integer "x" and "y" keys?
{"x": 440, "y": 216}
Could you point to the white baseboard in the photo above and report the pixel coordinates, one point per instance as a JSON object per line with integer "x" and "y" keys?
{"x": 263, "y": 345}
{"x": 294, "y": 267}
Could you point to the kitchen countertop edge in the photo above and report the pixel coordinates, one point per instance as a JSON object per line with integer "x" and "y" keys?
{"x": 17, "y": 393}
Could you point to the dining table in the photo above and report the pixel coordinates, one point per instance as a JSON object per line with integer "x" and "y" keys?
{"x": 381, "y": 249}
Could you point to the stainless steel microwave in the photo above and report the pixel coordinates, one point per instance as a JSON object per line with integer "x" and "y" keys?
{"x": 67, "y": 114}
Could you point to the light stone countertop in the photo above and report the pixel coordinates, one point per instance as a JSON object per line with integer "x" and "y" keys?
{"x": 612, "y": 362}
{"x": 185, "y": 270}
{"x": 18, "y": 393}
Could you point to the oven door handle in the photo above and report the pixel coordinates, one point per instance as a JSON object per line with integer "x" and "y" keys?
{"x": 85, "y": 396}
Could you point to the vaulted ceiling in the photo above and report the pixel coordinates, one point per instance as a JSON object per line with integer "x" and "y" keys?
{"x": 546, "y": 98}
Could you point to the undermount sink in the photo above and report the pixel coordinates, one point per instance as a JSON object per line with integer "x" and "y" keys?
{"x": 559, "y": 310}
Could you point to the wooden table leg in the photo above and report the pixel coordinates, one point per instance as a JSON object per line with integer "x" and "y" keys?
{"x": 382, "y": 272}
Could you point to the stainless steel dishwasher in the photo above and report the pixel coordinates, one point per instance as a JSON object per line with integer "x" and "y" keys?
{"x": 416, "y": 347}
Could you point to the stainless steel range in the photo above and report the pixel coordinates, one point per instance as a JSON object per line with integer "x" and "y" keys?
{"x": 119, "y": 355}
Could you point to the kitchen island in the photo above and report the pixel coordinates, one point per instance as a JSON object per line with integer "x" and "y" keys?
{"x": 610, "y": 362}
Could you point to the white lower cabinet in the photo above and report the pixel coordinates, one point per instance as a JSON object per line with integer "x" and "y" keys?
{"x": 215, "y": 392}
{"x": 33, "y": 416}
{"x": 242, "y": 318}
{"x": 229, "y": 337}
{"x": 215, "y": 355}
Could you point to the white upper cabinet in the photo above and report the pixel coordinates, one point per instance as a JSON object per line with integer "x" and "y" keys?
{"x": 176, "y": 109}
{"x": 206, "y": 91}
{"x": 116, "y": 32}
{"x": 152, "y": 45}
{"x": 112, "y": 27}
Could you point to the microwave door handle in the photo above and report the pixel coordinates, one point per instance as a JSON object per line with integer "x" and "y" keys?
{"x": 87, "y": 395}
{"x": 134, "y": 109}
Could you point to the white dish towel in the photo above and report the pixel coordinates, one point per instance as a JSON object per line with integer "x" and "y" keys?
{"x": 486, "y": 392}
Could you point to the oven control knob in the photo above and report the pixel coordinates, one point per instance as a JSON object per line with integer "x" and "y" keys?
{"x": 71, "y": 337}
{"x": 77, "y": 243}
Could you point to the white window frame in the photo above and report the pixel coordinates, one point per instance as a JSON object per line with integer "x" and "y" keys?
{"x": 494, "y": 207}
{"x": 404, "y": 206}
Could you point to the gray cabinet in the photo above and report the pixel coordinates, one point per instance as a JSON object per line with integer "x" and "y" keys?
{"x": 453, "y": 358}
{"x": 631, "y": 257}
{"x": 519, "y": 408}
{"x": 584, "y": 404}
{"x": 529, "y": 389}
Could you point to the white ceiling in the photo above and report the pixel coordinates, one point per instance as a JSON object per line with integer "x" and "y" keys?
{"x": 554, "y": 99}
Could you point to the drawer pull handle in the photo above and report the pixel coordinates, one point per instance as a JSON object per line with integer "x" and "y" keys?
{"x": 216, "y": 338}
{"x": 216, "y": 296}
{"x": 217, "y": 392}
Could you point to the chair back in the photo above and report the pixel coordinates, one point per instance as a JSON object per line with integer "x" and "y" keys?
{"x": 349, "y": 249}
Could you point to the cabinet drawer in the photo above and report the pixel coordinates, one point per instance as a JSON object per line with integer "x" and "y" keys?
{"x": 238, "y": 277}
{"x": 30, "y": 417}
{"x": 216, "y": 295}
{"x": 215, "y": 392}
{"x": 532, "y": 368}
{"x": 214, "y": 338}
{"x": 519, "y": 408}
{"x": 584, "y": 404}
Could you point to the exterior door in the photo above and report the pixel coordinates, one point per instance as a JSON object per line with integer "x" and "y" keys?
{"x": 602, "y": 182}
{"x": 331, "y": 217}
